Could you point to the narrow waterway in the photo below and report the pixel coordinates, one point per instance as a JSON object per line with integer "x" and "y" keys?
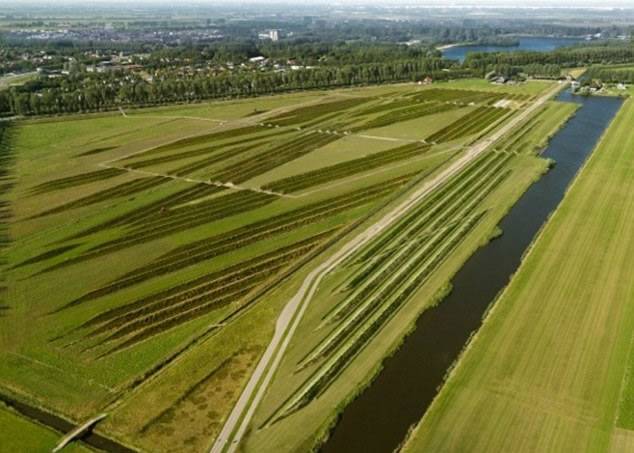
{"x": 378, "y": 420}
{"x": 63, "y": 427}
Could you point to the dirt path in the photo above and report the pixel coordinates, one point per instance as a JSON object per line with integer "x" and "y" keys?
{"x": 291, "y": 315}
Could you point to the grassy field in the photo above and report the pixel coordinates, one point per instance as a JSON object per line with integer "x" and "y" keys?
{"x": 8, "y": 81}
{"x": 20, "y": 434}
{"x": 145, "y": 244}
{"x": 551, "y": 368}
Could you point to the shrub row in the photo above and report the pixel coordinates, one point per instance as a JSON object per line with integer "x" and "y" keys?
{"x": 205, "y": 139}
{"x": 215, "y": 279}
{"x": 344, "y": 169}
{"x": 406, "y": 114}
{"x": 316, "y": 112}
{"x": 443, "y": 209}
{"x": 74, "y": 181}
{"x": 6, "y": 184}
{"x": 366, "y": 301}
{"x": 235, "y": 239}
{"x": 414, "y": 218}
{"x": 475, "y": 121}
{"x": 271, "y": 158}
{"x": 230, "y": 150}
{"x": 121, "y": 190}
{"x": 143, "y": 212}
{"x": 162, "y": 227}
{"x": 457, "y": 95}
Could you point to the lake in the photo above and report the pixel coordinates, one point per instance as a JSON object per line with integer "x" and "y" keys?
{"x": 531, "y": 43}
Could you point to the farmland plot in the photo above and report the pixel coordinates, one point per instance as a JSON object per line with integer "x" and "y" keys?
{"x": 144, "y": 244}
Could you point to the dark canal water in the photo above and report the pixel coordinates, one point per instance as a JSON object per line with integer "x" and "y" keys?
{"x": 531, "y": 43}
{"x": 378, "y": 420}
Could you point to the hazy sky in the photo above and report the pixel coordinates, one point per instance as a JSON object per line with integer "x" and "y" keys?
{"x": 506, "y": 3}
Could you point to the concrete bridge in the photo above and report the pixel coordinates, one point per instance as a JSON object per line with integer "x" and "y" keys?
{"x": 74, "y": 434}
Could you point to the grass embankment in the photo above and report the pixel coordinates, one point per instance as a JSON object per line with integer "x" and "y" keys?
{"x": 551, "y": 368}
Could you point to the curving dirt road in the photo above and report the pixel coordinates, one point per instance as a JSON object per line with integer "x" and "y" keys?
{"x": 291, "y": 315}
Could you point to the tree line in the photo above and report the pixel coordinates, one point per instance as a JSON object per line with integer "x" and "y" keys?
{"x": 95, "y": 92}
{"x": 584, "y": 55}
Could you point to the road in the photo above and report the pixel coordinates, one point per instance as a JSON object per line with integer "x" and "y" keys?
{"x": 290, "y": 317}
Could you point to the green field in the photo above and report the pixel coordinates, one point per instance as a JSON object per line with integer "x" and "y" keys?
{"x": 20, "y": 434}
{"x": 143, "y": 244}
{"x": 8, "y": 81}
{"x": 551, "y": 368}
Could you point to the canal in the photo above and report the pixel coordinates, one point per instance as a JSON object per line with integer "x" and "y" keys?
{"x": 378, "y": 420}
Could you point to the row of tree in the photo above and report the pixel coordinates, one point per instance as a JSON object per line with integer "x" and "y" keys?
{"x": 483, "y": 62}
{"x": 612, "y": 75}
{"x": 107, "y": 91}
{"x": 540, "y": 71}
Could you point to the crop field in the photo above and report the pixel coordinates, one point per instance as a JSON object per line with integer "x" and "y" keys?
{"x": 551, "y": 368}
{"x": 144, "y": 244}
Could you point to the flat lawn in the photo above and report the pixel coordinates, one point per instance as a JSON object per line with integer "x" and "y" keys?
{"x": 232, "y": 109}
{"x": 347, "y": 148}
{"x": 19, "y": 434}
{"x": 551, "y": 368}
{"x": 420, "y": 128}
{"x": 532, "y": 87}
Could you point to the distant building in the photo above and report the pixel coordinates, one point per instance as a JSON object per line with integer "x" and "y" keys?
{"x": 273, "y": 35}
{"x": 259, "y": 59}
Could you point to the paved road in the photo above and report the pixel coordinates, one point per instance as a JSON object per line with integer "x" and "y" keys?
{"x": 291, "y": 315}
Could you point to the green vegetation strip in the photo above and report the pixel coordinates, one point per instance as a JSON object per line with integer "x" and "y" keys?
{"x": 474, "y": 122}
{"x": 121, "y": 190}
{"x": 311, "y": 114}
{"x": 163, "y": 222}
{"x": 241, "y": 237}
{"x": 200, "y": 296}
{"x": 344, "y": 169}
{"x": 77, "y": 180}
